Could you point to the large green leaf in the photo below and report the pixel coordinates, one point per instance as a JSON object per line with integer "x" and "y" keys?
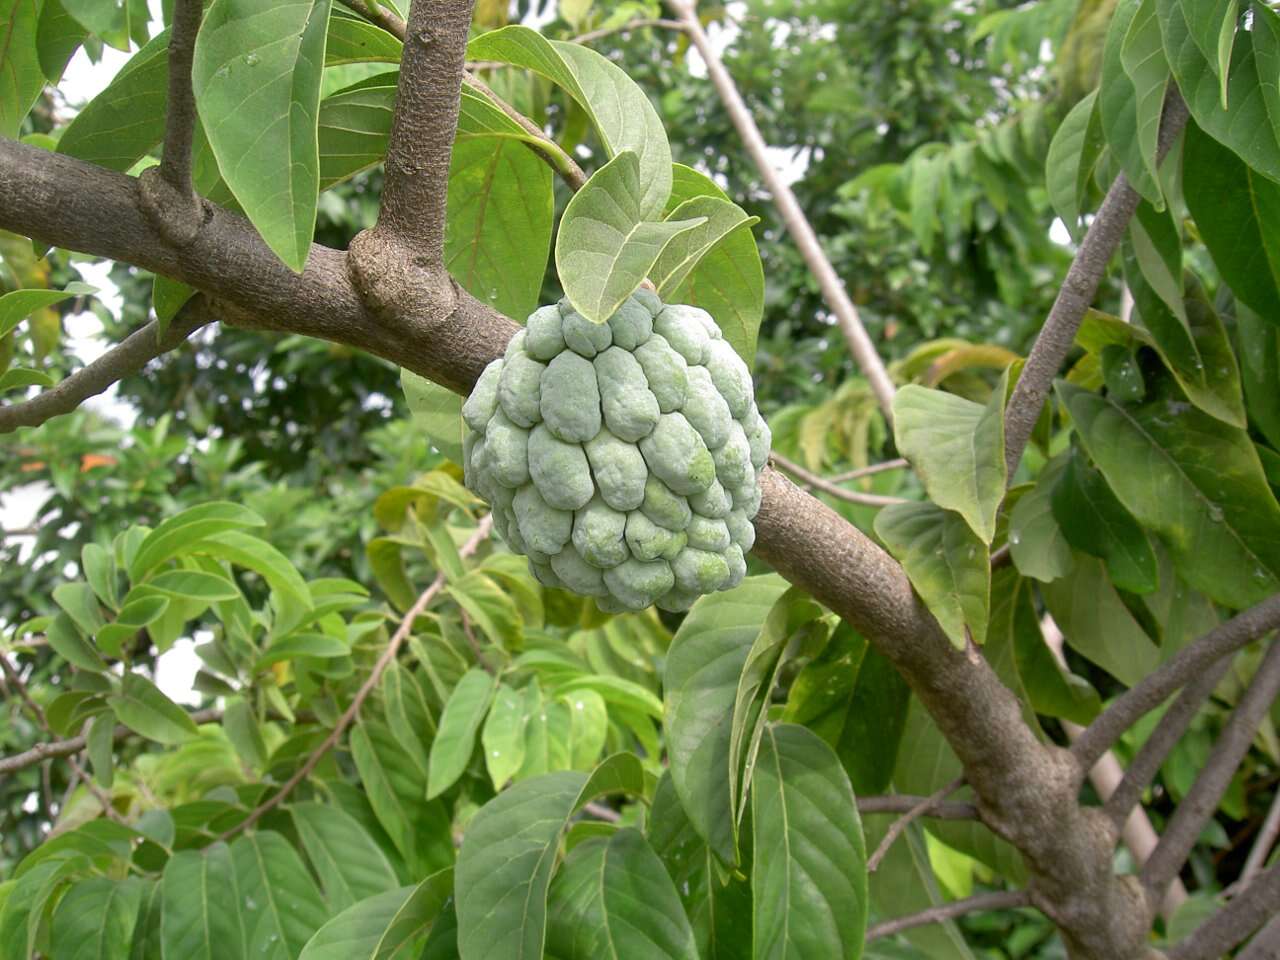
{"x": 947, "y": 563}
{"x": 1237, "y": 212}
{"x": 352, "y": 39}
{"x": 1142, "y": 57}
{"x": 23, "y": 911}
{"x": 728, "y": 281}
{"x": 1194, "y": 481}
{"x": 617, "y": 106}
{"x": 141, "y": 706}
{"x": 509, "y": 852}
{"x": 809, "y": 878}
{"x": 349, "y": 863}
{"x": 503, "y": 736}
{"x": 437, "y": 411}
{"x": 58, "y": 36}
{"x": 1037, "y": 543}
{"x": 281, "y": 907}
{"x": 1212, "y": 24}
{"x": 1073, "y": 155}
{"x": 1093, "y": 520}
{"x": 683, "y": 254}
{"x": 263, "y": 559}
{"x": 387, "y": 926}
{"x": 21, "y": 78}
{"x": 498, "y": 231}
{"x": 1118, "y": 101}
{"x": 1097, "y": 624}
{"x": 1260, "y": 370}
{"x": 256, "y": 77}
{"x": 94, "y": 920}
{"x": 182, "y": 531}
{"x": 613, "y": 898}
{"x": 703, "y": 667}
{"x": 605, "y": 246}
{"x": 117, "y": 22}
{"x": 456, "y": 739}
{"x": 352, "y": 128}
{"x": 1247, "y": 126}
{"x": 957, "y": 448}
{"x": 201, "y": 917}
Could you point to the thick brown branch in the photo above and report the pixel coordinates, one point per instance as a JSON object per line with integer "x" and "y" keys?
{"x": 1266, "y": 945}
{"x": 1004, "y": 900}
{"x": 1189, "y": 663}
{"x": 830, "y": 488}
{"x": 1079, "y": 288}
{"x": 1205, "y": 794}
{"x": 129, "y": 356}
{"x": 1236, "y": 921}
{"x": 797, "y": 224}
{"x": 370, "y": 684}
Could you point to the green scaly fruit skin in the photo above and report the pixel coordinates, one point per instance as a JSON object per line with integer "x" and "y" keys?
{"x": 623, "y": 458}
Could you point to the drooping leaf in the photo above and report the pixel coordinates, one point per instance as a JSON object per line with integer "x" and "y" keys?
{"x": 117, "y": 22}
{"x": 23, "y": 911}
{"x": 605, "y": 246}
{"x": 17, "y": 305}
{"x": 612, "y": 897}
{"x": 455, "y": 740}
{"x": 1195, "y": 482}
{"x": 1260, "y": 370}
{"x": 354, "y": 933}
{"x": 1142, "y": 57}
{"x": 17, "y": 378}
{"x": 79, "y": 602}
{"x": 437, "y": 411}
{"x": 256, "y": 77}
{"x": 947, "y": 563}
{"x": 957, "y": 448}
{"x": 131, "y": 618}
{"x": 1037, "y": 543}
{"x": 809, "y": 877}
{"x": 1212, "y": 25}
{"x": 683, "y": 254}
{"x": 99, "y": 745}
{"x": 1073, "y": 155}
{"x": 182, "y": 531}
{"x": 503, "y": 736}
{"x": 617, "y": 106}
{"x": 1118, "y": 102}
{"x": 21, "y": 79}
{"x": 703, "y": 666}
{"x": 280, "y": 906}
{"x": 349, "y": 863}
{"x": 69, "y": 643}
{"x": 94, "y": 920}
{"x": 141, "y": 706}
{"x": 201, "y": 915}
{"x": 58, "y": 36}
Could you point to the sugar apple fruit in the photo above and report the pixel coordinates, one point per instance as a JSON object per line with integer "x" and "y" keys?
{"x": 623, "y": 458}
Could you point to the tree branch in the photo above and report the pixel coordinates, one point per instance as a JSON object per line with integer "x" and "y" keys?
{"x": 1004, "y": 900}
{"x": 1202, "y": 799}
{"x": 180, "y": 116}
{"x": 1266, "y": 945}
{"x": 129, "y": 356}
{"x": 1188, "y": 664}
{"x": 370, "y": 683}
{"x": 1268, "y": 833}
{"x": 905, "y": 803}
{"x": 546, "y": 148}
{"x": 797, "y": 224}
{"x": 1235, "y": 922}
{"x": 593, "y": 35}
{"x": 858, "y": 472}
{"x": 920, "y": 809}
{"x": 387, "y": 19}
{"x": 830, "y": 488}
{"x": 1058, "y": 333}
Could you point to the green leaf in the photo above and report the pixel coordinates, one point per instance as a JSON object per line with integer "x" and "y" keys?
{"x": 132, "y": 618}
{"x": 100, "y": 739}
{"x": 617, "y": 106}
{"x": 256, "y": 77}
{"x": 1142, "y": 57}
{"x": 1097, "y": 624}
{"x": 355, "y": 932}
{"x": 263, "y": 559}
{"x": 588, "y": 727}
{"x": 1118, "y": 101}
{"x": 22, "y": 377}
{"x": 141, "y": 707}
{"x": 352, "y": 128}
{"x": 957, "y": 448}
{"x": 279, "y": 903}
{"x": 94, "y": 920}
{"x": 1037, "y": 544}
{"x": 408, "y": 713}
{"x": 616, "y": 690}
{"x": 613, "y": 897}
{"x": 703, "y": 666}
{"x": 295, "y": 645}
{"x": 240, "y": 724}
{"x": 1260, "y": 370}
{"x": 167, "y": 298}
{"x": 437, "y": 411}
{"x": 179, "y": 533}
{"x": 70, "y": 644}
{"x": 503, "y": 736}
{"x": 605, "y": 246}
{"x": 490, "y": 606}
{"x": 397, "y": 791}
{"x": 728, "y": 282}
{"x": 1237, "y": 212}
{"x": 116, "y": 22}
{"x": 463, "y": 714}
{"x": 201, "y": 916}
{"x": 511, "y": 845}
{"x": 355, "y": 40}
{"x": 21, "y": 79}
{"x": 498, "y": 230}
{"x": 1247, "y": 126}
{"x": 188, "y": 585}
{"x": 124, "y": 122}
{"x": 683, "y": 254}
{"x": 949, "y": 566}
{"x": 1193, "y": 480}
{"x": 99, "y": 568}
{"x": 349, "y": 863}
{"x": 1212, "y": 24}
{"x": 1094, "y": 521}
{"x": 546, "y": 734}
{"x": 1073, "y": 155}
{"x": 23, "y": 911}
{"x": 81, "y": 605}
{"x": 58, "y": 37}
{"x": 17, "y": 305}
{"x": 809, "y": 878}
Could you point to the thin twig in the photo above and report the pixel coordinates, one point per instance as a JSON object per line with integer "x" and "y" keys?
{"x": 1084, "y": 276}
{"x": 905, "y": 803}
{"x": 1235, "y": 922}
{"x": 1202, "y": 799}
{"x": 371, "y": 682}
{"x": 898, "y": 464}
{"x": 1268, "y": 833}
{"x": 388, "y": 20}
{"x": 473, "y": 643}
{"x": 600, "y": 812}
{"x": 129, "y": 356}
{"x": 180, "y": 111}
{"x": 797, "y": 224}
{"x": 1190, "y": 662}
{"x": 592, "y": 35}
{"x": 904, "y": 821}
{"x": 1004, "y": 900}
{"x": 829, "y": 488}
{"x": 65, "y": 748}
